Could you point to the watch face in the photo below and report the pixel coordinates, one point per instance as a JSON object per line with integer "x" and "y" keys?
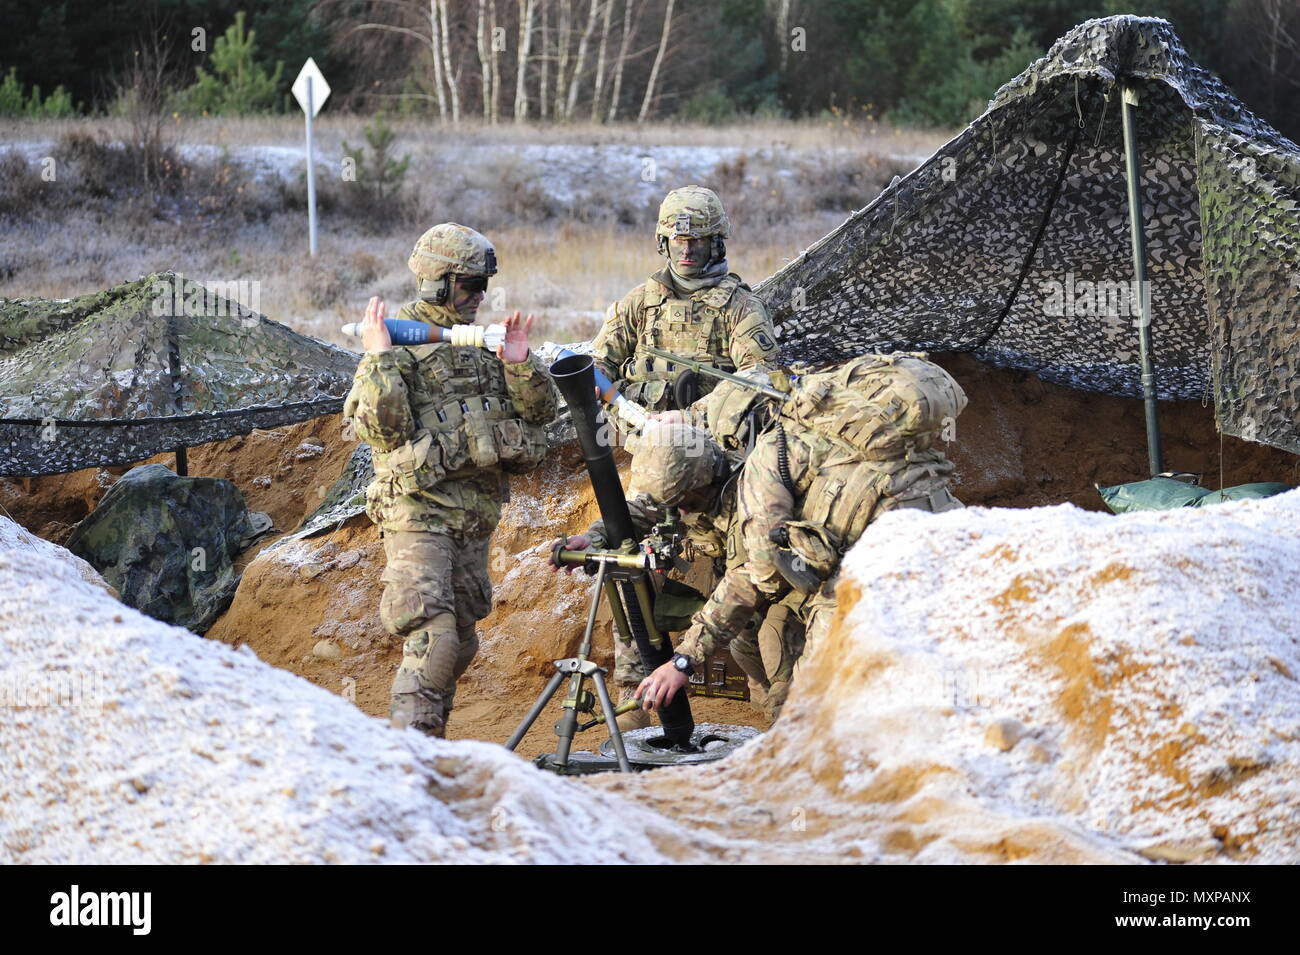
{"x": 682, "y": 663}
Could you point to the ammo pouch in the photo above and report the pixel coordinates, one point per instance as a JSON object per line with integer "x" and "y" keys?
{"x": 796, "y": 571}
{"x": 807, "y": 554}
{"x": 411, "y": 467}
{"x": 476, "y": 432}
{"x": 520, "y": 445}
{"x": 461, "y": 438}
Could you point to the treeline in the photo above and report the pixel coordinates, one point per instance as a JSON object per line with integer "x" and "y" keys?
{"x": 933, "y": 62}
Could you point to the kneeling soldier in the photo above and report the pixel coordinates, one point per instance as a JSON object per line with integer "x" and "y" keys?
{"x": 845, "y": 446}
{"x": 681, "y": 466}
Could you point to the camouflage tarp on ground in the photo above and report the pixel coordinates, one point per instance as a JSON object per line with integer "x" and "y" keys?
{"x": 968, "y": 252}
{"x": 114, "y": 377}
{"x": 166, "y": 543}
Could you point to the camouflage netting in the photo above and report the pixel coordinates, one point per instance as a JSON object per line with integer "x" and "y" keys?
{"x": 103, "y": 379}
{"x": 166, "y": 542}
{"x": 962, "y": 254}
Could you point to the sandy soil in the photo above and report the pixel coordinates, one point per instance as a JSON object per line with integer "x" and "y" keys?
{"x": 310, "y": 606}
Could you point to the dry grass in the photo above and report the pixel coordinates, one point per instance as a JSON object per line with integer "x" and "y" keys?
{"x": 573, "y": 224}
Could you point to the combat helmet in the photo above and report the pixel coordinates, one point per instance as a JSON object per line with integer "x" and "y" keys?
{"x": 672, "y": 460}
{"x": 696, "y": 212}
{"x": 446, "y": 251}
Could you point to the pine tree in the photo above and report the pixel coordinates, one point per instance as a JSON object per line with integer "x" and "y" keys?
{"x": 238, "y": 85}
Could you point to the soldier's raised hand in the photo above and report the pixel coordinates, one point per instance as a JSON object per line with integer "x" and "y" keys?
{"x": 374, "y": 333}
{"x": 515, "y": 348}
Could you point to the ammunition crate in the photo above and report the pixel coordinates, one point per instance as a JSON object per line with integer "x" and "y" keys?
{"x": 722, "y": 677}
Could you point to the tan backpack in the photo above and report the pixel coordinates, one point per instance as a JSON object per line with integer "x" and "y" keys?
{"x": 876, "y": 427}
{"x": 878, "y": 407}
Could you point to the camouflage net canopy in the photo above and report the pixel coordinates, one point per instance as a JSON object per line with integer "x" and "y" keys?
{"x": 150, "y": 366}
{"x": 1012, "y": 241}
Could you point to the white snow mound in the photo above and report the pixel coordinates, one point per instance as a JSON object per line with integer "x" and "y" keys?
{"x": 1132, "y": 677}
{"x": 130, "y": 741}
{"x": 1044, "y": 685}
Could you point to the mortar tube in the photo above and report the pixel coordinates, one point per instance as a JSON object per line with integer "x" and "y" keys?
{"x": 629, "y": 411}
{"x": 575, "y": 376}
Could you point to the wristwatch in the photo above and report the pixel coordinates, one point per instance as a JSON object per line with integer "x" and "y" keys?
{"x": 682, "y": 663}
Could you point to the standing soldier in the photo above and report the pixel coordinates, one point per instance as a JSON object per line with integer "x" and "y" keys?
{"x": 693, "y": 307}
{"x": 446, "y": 424}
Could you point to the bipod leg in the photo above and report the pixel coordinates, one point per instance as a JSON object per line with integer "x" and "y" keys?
{"x": 611, "y": 722}
{"x": 556, "y": 679}
{"x": 568, "y": 722}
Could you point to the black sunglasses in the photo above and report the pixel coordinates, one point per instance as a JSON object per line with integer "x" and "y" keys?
{"x": 473, "y": 283}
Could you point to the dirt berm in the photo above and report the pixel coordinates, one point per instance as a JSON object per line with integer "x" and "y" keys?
{"x": 309, "y": 606}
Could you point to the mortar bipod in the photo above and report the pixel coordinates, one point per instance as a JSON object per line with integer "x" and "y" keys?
{"x": 579, "y": 700}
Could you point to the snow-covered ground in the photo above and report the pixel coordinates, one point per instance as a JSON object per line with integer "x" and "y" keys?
{"x": 130, "y": 741}
{"x": 567, "y": 171}
{"x": 1038, "y": 685}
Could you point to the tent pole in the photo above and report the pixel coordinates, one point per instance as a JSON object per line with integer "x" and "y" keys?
{"x": 1128, "y": 99}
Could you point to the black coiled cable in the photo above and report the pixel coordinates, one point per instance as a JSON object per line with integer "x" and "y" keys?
{"x": 783, "y": 459}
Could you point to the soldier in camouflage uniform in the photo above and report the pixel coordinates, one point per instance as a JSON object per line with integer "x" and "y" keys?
{"x": 800, "y": 483}
{"x": 693, "y": 307}
{"x": 682, "y": 466}
{"x": 446, "y": 424}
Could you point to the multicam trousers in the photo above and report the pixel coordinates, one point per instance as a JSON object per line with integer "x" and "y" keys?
{"x": 437, "y": 589}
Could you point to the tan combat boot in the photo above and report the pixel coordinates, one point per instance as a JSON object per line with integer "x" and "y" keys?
{"x": 412, "y": 704}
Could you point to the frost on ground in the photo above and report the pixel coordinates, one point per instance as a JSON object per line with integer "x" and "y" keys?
{"x": 127, "y": 740}
{"x": 1045, "y": 685}
{"x": 1136, "y": 676}
{"x": 1050, "y": 685}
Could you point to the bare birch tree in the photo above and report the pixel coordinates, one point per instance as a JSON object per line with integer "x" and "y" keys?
{"x": 485, "y": 69}
{"x": 1277, "y": 49}
{"x": 526, "y": 8}
{"x": 546, "y": 59}
{"x": 434, "y": 40}
{"x": 446, "y": 63}
{"x": 575, "y": 78}
{"x": 622, "y": 58}
{"x": 598, "y": 86}
{"x": 562, "y": 32}
{"x": 495, "y": 49}
{"x": 783, "y": 32}
{"x": 434, "y": 48}
{"x": 659, "y": 58}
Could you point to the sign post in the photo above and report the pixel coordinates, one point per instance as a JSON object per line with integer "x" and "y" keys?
{"x": 311, "y": 91}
